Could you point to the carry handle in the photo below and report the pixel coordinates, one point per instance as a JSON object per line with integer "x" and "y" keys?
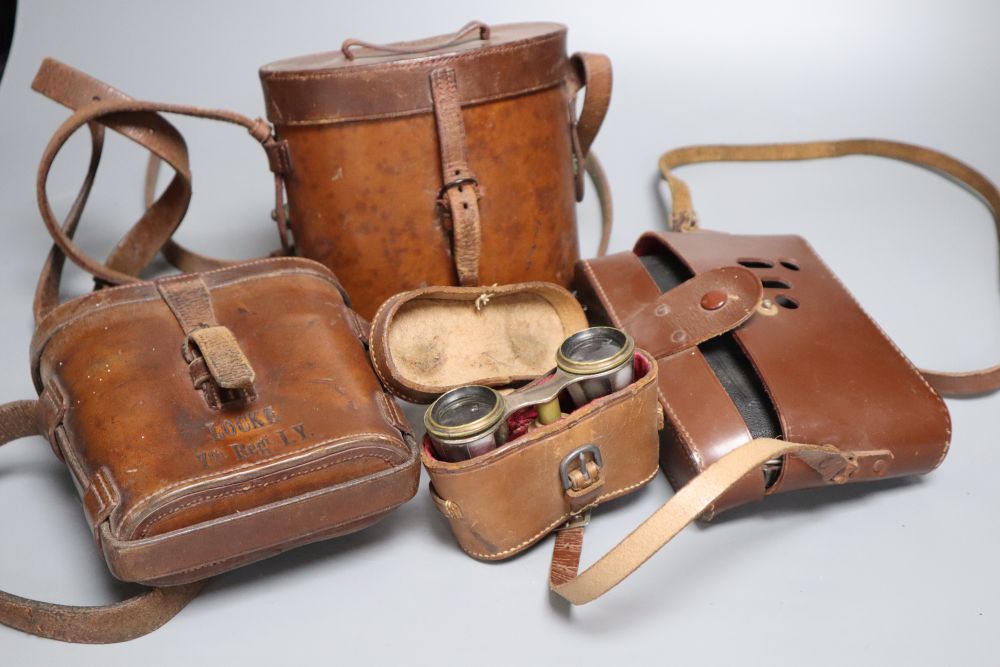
{"x": 683, "y": 217}
{"x": 419, "y": 46}
{"x": 106, "y": 624}
{"x": 690, "y": 502}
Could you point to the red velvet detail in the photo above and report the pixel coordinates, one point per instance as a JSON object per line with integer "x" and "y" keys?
{"x": 518, "y": 423}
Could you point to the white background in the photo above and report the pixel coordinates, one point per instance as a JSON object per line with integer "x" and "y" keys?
{"x": 900, "y": 572}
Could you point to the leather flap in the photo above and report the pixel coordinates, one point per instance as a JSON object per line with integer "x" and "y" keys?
{"x": 229, "y": 367}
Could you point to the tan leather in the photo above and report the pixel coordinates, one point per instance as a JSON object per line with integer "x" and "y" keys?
{"x": 427, "y": 341}
{"x": 313, "y": 452}
{"x": 502, "y": 502}
{"x": 690, "y": 502}
{"x": 375, "y": 141}
{"x": 684, "y": 218}
{"x": 119, "y": 622}
{"x": 460, "y": 192}
{"x": 821, "y": 365}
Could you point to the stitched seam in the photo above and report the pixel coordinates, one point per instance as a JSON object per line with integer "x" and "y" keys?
{"x": 685, "y": 437}
{"x": 534, "y": 538}
{"x": 940, "y": 401}
{"x": 383, "y": 340}
{"x": 96, "y": 296}
{"x": 602, "y": 295}
{"x": 325, "y": 529}
{"x": 421, "y": 62}
{"x": 152, "y": 520}
{"x": 616, "y": 320}
{"x": 248, "y": 466}
{"x": 418, "y": 111}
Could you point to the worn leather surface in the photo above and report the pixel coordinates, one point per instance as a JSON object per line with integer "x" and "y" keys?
{"x": 683, "y": 216}
{"x": 502, "y": 502}
{"x": 131, "y": 618}
{"x": 832, "y": 375}
{"x": 316, "y": 452}
{"x": 427, "y": 341}
{"x": 369, "y": 143}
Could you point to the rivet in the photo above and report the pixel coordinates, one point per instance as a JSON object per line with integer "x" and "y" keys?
{"x": 679, "y": 336}
{"x": 662, "y": 310}
{"x": 879, "y": 467}
{"x": 714, "y": 300}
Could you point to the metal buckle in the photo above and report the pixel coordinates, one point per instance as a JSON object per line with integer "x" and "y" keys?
{"x": 576, "y": 521}
{"x": 454, "y": 184}
{"x": 580, "y": 455}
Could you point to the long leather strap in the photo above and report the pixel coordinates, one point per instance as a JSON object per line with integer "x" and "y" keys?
{"x": 125, "y": 116}
{"x": 74, "y": 89}
{"x": 683, "y": 508}
{"x": 105, "y": 624}
{"x": 683, "y": 217}
{"x": 140, "y": 122}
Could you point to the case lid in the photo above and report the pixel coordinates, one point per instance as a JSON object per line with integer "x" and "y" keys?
{"x": 430, "y": 340}
{"x": 367, "y": 81}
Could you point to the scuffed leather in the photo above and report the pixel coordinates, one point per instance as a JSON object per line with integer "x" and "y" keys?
{"x": 506, "y": 500}
{"x": 368, "y": 157}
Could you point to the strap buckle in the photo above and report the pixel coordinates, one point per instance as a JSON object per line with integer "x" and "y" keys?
{"x": 458, "y": 182}
{"x": 580, "y": 456}
{"x": 576, "y": 521}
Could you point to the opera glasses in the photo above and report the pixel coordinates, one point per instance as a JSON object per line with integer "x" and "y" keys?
{"x": 472, "y": 420}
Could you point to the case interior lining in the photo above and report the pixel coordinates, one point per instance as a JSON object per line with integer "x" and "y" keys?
{"x": 448, "y": 342}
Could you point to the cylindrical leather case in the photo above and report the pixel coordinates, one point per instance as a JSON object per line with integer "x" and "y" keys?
{"x": 453, "y": 160}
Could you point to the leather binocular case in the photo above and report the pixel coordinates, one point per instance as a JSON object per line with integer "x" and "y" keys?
{"x": 545, "y": 472}
{"x": 208, "y": 420}
{"x": 454, "y": 160}
{"x": 806, "y": 365}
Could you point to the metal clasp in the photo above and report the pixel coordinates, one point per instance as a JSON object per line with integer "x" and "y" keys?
{"x": 457, "y": 183}
{"x": 580, "y": 456}
{"x": 576, "y": 521}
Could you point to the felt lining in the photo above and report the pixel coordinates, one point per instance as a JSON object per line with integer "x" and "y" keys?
{"x": 446, "y": 342}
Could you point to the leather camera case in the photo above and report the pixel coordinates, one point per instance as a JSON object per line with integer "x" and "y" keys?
{"x": 448, "y": 161}
{"x": 182, "y": 477}
{"x": 502, "y": 502}
{"x": 808, "y": 366}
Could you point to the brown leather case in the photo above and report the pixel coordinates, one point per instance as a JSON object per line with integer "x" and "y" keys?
{"x": 448, "y": 161}
{"x": 805, "y": 390}
{"x": 809, "y": 366}
{"x": 502, "y": 502}
{"x": 182, "y": 478}
{"x": 208, "y": 419}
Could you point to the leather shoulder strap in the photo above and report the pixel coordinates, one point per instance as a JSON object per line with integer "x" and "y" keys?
{"x": 834, "y": 465}
{"x": 101, "y": 106}
{"x": 683, "y": 217}
{"x": 106, "y": 624}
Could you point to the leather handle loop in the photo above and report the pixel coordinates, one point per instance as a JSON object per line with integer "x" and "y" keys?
{"x": 134, "y": 617}
{"x": 592, "y": 72}
{"x": 683, "y": 217}
{"x": 118, "y": 114}
{"x": 690, "y": 502}
{"x": 478, "y": 28}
